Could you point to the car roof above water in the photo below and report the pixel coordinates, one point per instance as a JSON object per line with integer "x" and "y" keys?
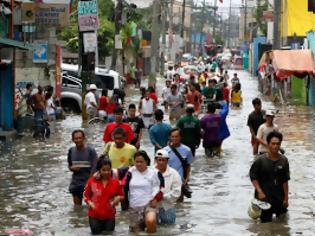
{"x": 100, "y": 71}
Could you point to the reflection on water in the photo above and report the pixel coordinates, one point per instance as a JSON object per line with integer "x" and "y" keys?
{"x": 34, "y": 180}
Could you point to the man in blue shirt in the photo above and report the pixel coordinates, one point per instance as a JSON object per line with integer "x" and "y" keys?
{"x": 159, "y": 132}
{"x": 174, "y": 160}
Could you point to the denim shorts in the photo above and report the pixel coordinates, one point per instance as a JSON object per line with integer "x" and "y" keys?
{"x": 167, "y": 216}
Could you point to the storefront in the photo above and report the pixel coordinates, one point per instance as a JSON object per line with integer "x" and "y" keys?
{"x": 7, "y": 80}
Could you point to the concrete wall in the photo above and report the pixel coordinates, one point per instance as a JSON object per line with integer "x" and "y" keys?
{"x": 37, "y": 73}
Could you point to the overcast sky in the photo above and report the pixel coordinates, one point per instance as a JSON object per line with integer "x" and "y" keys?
{"x": 223, "y": 7}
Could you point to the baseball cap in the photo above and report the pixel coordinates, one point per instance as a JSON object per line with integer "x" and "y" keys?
{"x": 92, "y": 87}
{"x": 161, "y": 153}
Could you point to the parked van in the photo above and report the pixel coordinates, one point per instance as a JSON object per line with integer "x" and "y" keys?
{"x": 71, "y": 85}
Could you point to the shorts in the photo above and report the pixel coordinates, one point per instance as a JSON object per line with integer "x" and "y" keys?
{"x": 212, "y": 151}
{"x": 167, "y": 216}
{"x": 92, "y": 112}
{"x": 148, "y": 120}
{"x": 175, "y": 115}
{"x": 266, "y": 215}
{"x": 98, "y": 226}
{"x": 136, "y": 217}
{"x": 77, "y": 191}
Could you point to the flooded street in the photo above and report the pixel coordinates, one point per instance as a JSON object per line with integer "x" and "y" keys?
{"x": 35, "y": 177}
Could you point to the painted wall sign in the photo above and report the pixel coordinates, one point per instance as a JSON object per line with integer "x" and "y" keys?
{"x": 41, "y": 55}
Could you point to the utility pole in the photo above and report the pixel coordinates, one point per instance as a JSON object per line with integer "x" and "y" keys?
{"x": 229, "y": 32}
{"x": 214, "y": 18}
{"x": 276, "y": 24}
{"x": 221, "y": 25}
{"x": 245, "y": 20}
{"x": 183, "y": 19}
{"x": 155, "y": 37}
{"x": 163, "y": 16}
{"x": 118, "y": 17}
{"x": 201, "y": 30}
{"x": 86, "y": 59}
{"x": 170, "y": 30}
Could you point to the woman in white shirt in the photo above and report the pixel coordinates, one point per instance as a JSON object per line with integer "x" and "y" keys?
{"x": 172, "y": 188}
{"x": 264, "y": 130}
{"x": 143, "y": 190}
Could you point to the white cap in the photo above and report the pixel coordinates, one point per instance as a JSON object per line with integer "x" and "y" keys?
{"x": 270, "y": 113}
{"x": 161, "y": 153}
{"x": 92, "y": 87}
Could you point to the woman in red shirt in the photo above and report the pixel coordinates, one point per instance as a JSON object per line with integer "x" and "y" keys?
{"x": 102, "y": 194}
{"x": 226, "y": 93}
{"x": 111, "y": 106}
{"x": 103, "y": 101}
{"x": 152, "y": 94}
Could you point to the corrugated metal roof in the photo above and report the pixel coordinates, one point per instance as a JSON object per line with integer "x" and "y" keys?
{"x": 5, "y": 42}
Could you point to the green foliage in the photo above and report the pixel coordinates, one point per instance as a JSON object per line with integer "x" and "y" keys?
{"x": 106, "y": 31}
{"x": 262, "y": 24}
{"x": 218, "y": 40}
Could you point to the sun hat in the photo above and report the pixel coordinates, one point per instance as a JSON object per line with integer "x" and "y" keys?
{"x": 92, "y": 87}
{"x": 161, "y": 153}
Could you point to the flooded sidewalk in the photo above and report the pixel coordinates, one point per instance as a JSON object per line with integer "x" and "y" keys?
{"x": 35, "y": 177}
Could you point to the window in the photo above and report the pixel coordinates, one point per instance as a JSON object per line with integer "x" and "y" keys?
{"x": 67, "y": 82}
{"x": 103, "y": 81}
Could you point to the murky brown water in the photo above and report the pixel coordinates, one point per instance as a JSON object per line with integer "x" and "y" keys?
{"x": 34, "y": 181}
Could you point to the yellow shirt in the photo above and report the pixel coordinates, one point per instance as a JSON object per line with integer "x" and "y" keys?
{"x": 121, "y": 157}
{"x": 201, "y": 79}
{"x": 236, "y": 97}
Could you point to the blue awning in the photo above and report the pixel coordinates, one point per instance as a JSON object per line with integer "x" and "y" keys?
{"x": 5, "y": 42}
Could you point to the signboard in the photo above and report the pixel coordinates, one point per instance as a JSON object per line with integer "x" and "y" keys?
{"x": 89, "y": 42}
{"x": 41, "y": 55}
{"x": 28, "y": 12}
{"x": 87, "y": 8}
{"x": 52, "y": 14}
{"x": 88, "y": 23}
{"x": 118, "y": 42}
{"x": 88, "y": 16}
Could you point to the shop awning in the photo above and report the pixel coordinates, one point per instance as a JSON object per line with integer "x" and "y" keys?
{"x": 5, "y": 42}
{"x": 292, "y": 62}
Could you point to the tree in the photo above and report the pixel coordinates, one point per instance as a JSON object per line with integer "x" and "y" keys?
{"x": 105, "y": 32}
{"x": 261, "y": 23}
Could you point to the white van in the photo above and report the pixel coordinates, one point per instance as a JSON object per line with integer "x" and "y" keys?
{"x": 71, "y": 85}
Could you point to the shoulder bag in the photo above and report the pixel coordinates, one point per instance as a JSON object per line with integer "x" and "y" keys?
{"x": 185, "y": 187}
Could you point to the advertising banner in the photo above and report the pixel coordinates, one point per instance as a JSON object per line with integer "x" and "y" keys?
{"x": 88, "y": 16}
{"x": 90, "y": 42}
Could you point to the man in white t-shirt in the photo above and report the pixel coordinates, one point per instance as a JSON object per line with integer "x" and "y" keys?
{"x": 264, "y": 130}
{"x": 170, "y": 73}
{"x": 90, "y": 102}
{"x": 147, "y": 107}
{"x": 166, "y": 92}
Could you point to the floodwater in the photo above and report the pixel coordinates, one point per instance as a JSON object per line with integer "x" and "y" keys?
{"x": 34, "y": 180}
